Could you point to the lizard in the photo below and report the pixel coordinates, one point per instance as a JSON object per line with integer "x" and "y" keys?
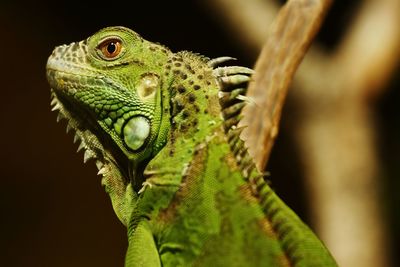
{"x": 163, "y": 130}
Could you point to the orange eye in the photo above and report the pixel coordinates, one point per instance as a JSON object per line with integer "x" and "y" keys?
{"x": 110, "y": 48}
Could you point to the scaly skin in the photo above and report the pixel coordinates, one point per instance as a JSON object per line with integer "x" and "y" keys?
{"x": 162, "y": 128}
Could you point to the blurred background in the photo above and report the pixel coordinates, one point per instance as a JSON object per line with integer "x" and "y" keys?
{"x": 336, "y": 160}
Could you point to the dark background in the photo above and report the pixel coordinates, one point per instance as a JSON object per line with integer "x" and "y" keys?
{"x": 53, "y": 210}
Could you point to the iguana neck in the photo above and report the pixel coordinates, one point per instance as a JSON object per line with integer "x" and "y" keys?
{"x": 192, "y": 108}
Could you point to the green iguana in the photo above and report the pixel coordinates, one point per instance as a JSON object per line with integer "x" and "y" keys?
{"x": 162, "y": 128}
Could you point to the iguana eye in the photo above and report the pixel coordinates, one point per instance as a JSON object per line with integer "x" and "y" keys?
{"x": 110, "y": 48}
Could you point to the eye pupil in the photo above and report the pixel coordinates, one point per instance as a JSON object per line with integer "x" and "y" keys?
{"x": 111, "y": 48}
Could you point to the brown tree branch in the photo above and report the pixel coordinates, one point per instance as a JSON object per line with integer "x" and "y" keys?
{"x": 365, "y": 58}
{"x": 370, "y": 49}
{"x": 289, "y": 38}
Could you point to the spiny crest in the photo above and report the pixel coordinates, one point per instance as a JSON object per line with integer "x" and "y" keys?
{"x": 193, "y": 55}
{"x": 233, "y": 85}
{"x": 233, "y": 81}
{"x": 88, "y": 142}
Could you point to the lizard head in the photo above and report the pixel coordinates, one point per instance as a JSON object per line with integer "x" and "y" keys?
{"x": 108, "y": 87}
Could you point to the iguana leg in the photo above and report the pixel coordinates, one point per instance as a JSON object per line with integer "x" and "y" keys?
{"x": 142, "y": 250}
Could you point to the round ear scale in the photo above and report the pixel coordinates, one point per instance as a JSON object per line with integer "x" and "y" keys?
{"x": 135, "y": 132}
{"x": 147, "y": 86}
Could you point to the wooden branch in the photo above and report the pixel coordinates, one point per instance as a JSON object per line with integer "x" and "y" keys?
{"x": 370, "y": 50}
{"x": 289, "y": 38}
{"x": 363, "y": 61}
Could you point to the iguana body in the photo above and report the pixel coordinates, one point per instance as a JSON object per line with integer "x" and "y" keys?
{"x": 162, "y": 128}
